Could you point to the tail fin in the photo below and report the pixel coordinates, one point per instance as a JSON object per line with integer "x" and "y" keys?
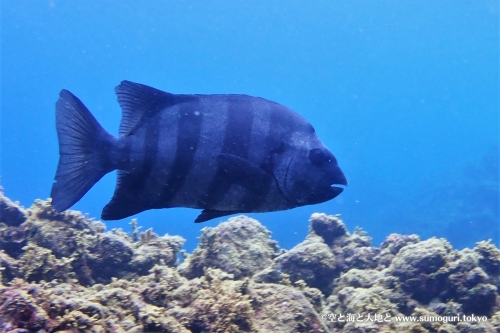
{"x": 84, "y": 149}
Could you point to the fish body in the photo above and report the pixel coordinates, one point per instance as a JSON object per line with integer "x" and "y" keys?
{"x": 224, "y": 154}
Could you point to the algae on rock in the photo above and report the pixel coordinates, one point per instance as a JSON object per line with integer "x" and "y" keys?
{"x": 63, "y": 272}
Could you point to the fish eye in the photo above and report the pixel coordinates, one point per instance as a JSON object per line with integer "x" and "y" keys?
{"x": 318, "y": 156}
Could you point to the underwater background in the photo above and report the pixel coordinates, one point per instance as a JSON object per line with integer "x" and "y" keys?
{"x": 404, "y": 93}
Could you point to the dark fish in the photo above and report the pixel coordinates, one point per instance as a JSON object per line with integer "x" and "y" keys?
{"x": 224, "y": 154}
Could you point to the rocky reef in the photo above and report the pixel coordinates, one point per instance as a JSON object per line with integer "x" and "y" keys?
{"x": 63, "y": 272}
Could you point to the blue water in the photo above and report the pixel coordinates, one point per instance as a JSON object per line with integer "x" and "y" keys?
{"x": 405, "y": 94}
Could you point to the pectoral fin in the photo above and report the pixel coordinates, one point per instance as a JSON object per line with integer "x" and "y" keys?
{"x": 244, "y": 173}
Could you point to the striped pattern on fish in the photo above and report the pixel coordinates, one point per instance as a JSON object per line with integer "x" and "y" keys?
{"x": 224, "y": 154}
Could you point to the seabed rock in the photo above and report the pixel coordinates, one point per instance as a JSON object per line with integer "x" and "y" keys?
{"x": 63, "y": 272}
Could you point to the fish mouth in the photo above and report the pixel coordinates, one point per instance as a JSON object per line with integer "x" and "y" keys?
{"x": 336, "y": 190}
{"x": 340, "y": 180}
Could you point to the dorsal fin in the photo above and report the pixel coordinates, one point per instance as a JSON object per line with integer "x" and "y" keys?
{"x": 139, "y": 102}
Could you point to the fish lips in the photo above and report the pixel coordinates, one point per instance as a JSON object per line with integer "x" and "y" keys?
{"x": 339, "y": 180}
{"x": 324, "y": 191}
{"x": 328, "y": 192}
{"x": 335, "y": 190}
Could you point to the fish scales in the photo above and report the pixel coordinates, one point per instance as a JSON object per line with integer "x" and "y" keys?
{"x": 188, "y": 138}
{"x": 210, "y": 143}
{"x": 224, "y": 154}
{"x": 236, "y": 141}
{"x": 165, "y": 153}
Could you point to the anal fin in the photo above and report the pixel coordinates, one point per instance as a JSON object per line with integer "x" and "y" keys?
{"x": 125, "y": 201}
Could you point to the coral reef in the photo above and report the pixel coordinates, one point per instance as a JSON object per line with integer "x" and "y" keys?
{"x": 68, "y": 245}
{"x": 310, "y": 261}
{"x": 63, "y": 272}
{"x": 241, "y": 246}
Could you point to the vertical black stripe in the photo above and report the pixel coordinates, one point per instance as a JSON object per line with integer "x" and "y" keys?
{"x": 238, "y": 130}
{"x": 162, "y": 162}
{"x": 252, "y": 200}
{"x": 188, "y": 137}
{"x": 237, "y": 134}
{"x": 149, "y": 140}
{"x": 129, "y": 197}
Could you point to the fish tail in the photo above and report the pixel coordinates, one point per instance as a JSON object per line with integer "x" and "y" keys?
{"x": 84, "y": 151}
